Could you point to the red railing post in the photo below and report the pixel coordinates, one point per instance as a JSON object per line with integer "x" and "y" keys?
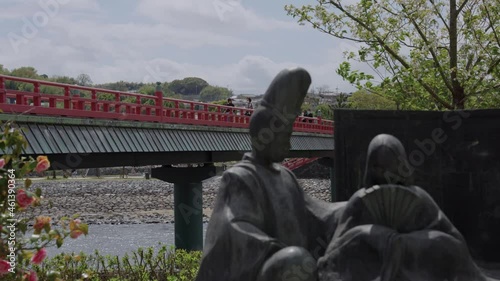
{"x": 93, "y": 102}
{"x": 117, "y": 103}
{"x": 138, "y": 109}
{"x": 67, "y": 98}
{"x": 3, "y": 91}
{"x": 159, "y": 100}
{"x": 176, "y": 106}
{"x": 36, "y": 95}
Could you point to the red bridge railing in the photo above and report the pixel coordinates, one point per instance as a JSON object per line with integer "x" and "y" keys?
{"x": 40, "y": 97}
{"x": 294, "y": 163}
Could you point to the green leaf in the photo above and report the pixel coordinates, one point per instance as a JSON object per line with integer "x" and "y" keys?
{"x": 59, "y": 242}
{"x": 27, "y": 183}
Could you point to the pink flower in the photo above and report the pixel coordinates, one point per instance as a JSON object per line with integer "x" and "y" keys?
{"x": 31, "y": 277}
{"x": 23, "y": 199}
{"x": 2, "y": 163}
{"x": 43, "y": 164}
{"x": 75, "y": 233}
{"x": 39, "y": 256}
{"x": 4, "y": 267}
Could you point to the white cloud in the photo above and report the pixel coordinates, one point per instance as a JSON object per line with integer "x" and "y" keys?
{"x": 110, "y": 51}
{"x": 217, "y": 15}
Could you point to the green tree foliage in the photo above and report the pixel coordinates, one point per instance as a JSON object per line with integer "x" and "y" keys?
{"x": 366, "y": 100}
{"x": 214, "y": 93}
{"x": 24, "y": 72}
{"x": 148, "y": 89}
{"x": 122, "y": 86}
{"x": 188, "y": 86}
{"x": 341, "y": 101}
{"x": 437, "y": 54}
{"x": 326, "y": 111}
{"x": 4, "y": 70}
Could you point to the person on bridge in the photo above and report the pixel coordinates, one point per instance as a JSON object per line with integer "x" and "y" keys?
{"x": 263, "y": 226}
{"x": 249, "y": 106}
{"x": 229, "y": 103}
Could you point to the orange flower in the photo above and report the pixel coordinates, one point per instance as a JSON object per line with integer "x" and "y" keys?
{"x": 43, "y": 164}
{"x": 39, "y": 256}
{"x": 74, "y": 224}
{"x": 75, "y": 233}
{"x": 23, "y": 199}
{"x": 40, "y": 223}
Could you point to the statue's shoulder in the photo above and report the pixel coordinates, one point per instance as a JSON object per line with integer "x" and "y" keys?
{"x": 243, "y": 170}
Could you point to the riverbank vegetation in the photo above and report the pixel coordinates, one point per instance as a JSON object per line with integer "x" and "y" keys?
{"x": 167, "y": 264}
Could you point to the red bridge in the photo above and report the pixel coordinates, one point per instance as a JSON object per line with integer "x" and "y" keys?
{"x": 87, "y": 102}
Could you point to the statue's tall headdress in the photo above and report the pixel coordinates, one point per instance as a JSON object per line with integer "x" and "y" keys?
{"x": 286, "y": 93}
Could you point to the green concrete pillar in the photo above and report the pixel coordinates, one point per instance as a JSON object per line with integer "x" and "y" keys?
{"x": 188, "y": 202}
{"x": 188, "y": 213}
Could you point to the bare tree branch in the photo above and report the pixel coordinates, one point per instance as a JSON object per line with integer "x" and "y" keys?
{"x": 439, "y": 14}
{"x": 462, "y": 6}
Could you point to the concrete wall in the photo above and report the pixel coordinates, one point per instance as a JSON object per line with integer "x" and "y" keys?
{"x": 455, "y": 156}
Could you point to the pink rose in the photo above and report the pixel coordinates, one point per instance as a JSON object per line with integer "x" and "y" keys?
{"x": 23, "y": 199}
{"x": 4, "y": 267}
{"x": 31, "y": 276}
{"x": 43, "y": 164}
{"x": 2, "y": 163}
{"x": 39, "y": 256}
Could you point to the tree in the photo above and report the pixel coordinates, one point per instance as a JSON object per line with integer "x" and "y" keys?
{"x": 148, "y": 89}
{"x": 4, "y": 70}
{"x": 341, "y": 101}
{"x": 436, "y": 53}
{"x": 188, "y": 86}
{"x": 24, "y": 72}
{"x": 83, "y": 80}
{"x": 366, "y": 100}
{"x": 326, "y": 111}
{"x": 213, "y": 93}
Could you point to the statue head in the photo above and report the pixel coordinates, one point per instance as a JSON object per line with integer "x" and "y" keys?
{"x": 386, "y": 162}
{"x": 271, "y": 124}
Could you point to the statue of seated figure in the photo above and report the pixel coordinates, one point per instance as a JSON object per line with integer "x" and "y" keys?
{"x": 263, "y": 227}
{"x": 392, "y": 230}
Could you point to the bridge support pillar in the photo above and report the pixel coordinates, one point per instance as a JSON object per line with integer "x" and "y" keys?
{"x": 188, "y": 202}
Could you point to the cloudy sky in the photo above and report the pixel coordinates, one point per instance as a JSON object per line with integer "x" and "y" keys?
{"x": 241, "y": 44}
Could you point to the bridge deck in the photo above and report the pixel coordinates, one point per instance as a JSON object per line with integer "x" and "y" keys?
{"x": 74, "y": 143}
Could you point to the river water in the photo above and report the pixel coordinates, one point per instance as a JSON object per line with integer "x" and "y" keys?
{"x": 119, "y": 239}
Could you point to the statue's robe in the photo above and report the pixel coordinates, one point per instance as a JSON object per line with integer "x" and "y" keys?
{"x": 258, "y": 211}
{"x": 392, "y": 232}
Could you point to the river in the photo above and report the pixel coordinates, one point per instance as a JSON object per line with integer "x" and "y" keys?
{"x": 119, "y": 239}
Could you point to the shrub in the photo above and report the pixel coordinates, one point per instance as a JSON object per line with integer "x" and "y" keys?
{"x": 21, "y": 251}
{"x": 141, "y": 265}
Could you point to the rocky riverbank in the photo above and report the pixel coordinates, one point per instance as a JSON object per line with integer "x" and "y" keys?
{"x": 130, "y": 201}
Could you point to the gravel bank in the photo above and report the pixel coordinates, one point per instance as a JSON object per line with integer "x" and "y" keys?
{"x": 131, "y": 201}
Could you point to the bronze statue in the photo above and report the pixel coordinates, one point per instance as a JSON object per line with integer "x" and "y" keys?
{"x": 263, "y": 227}
{"x": 392, "y": 230}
